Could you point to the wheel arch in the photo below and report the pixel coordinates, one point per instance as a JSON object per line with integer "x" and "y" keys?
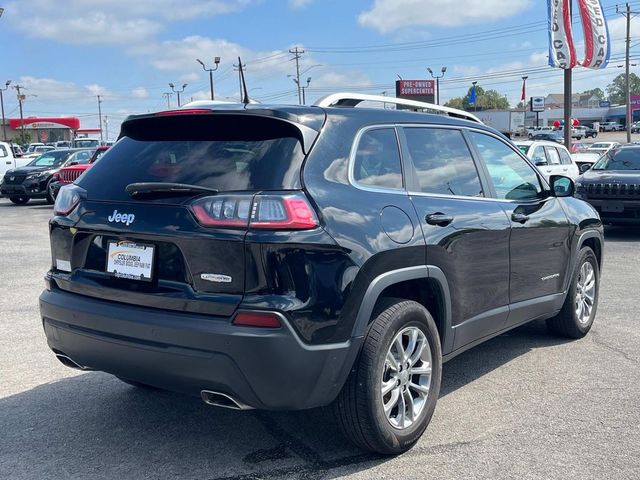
{"x": 425, "y": 284}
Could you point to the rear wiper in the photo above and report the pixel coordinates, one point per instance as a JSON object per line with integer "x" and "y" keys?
{"x": 165, "y": 189}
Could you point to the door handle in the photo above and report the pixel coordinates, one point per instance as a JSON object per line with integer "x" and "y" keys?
{"x": 9, "y": 162}
{"x": 439, "y": 219}
{"x": 519, "y": 217}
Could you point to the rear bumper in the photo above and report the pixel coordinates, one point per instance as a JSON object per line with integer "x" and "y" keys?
{"x": 263, "y": 368}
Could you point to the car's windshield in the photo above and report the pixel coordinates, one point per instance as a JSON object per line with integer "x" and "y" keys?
{"x": 599, "y": 145}
{"x": 50, "y": 159}
{"x": 85, "y": 143}
{"x": 624, "y": 159}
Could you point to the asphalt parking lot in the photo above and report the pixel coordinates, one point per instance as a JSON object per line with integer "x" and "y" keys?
{"x": 523, "y": 405}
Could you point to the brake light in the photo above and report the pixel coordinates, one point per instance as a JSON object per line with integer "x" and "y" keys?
{"x": 257, "y": 319}
{"x": 186, "y": 111}
{"x": 67, "y": 199}
{"x": 283, "y": 212}
{"x": 269, "y": 212}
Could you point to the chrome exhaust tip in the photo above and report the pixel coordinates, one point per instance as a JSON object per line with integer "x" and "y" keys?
{"x": 223, "y": 400}
{"x": 69, "y": 362}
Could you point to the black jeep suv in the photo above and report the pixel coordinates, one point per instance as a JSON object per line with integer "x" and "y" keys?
{"x": 294, "y": 257}
{"x": 612, "y": 185}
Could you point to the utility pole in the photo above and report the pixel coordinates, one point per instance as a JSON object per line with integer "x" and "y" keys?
{"x": 4, "y": 129}
{"x": 168, "y": 95}
{"x": 475, "y": 96}
{"x": 21, "y": 98}
{"x": 629, "y": 113}
{"x": 177, "y": 92}
{"x": 237, "y": 68}
{"x": 106, "y": 126}
{"x": 568, "y": 96}
{"x": 216, "y": 62}
{"x": 297, "y": 53}
{"x": 100, "y": 117}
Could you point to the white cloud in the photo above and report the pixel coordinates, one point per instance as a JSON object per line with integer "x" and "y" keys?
{"x": 140, "y": 92}
{"x": 108, "y": 22}
{"x": 46, "y": 89}
{"x": 297, "y": 4}
{"x": 390, "y": 15}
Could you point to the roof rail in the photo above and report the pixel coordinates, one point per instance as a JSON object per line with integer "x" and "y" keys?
{"x": 343, "y": 99}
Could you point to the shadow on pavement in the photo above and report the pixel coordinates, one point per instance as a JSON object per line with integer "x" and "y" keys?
{"x": 94, "y": 426}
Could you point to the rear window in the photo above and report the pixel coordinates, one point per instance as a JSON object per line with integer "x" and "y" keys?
{"x": 237, "y": 156}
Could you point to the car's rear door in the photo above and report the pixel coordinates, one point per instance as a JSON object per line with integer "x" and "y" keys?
{"x": 539, "y": 245}
{"x": 466, "y": 234}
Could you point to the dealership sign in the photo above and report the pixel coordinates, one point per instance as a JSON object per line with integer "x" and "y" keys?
{"x": 40, "y": 125}
{"x": 635, "y": 102}
{"x": 415, "y": 88}
{"x": 537, "y": 104}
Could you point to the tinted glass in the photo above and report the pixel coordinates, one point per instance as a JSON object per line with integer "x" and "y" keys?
{"x": 524, "y": 148}
{"x": 565, "y": 158}
{"x": 82, "y": 157}
{"x": 3, "y": 151}
{"x": 621, "y": 159}
{"x": 513, "y": 177}
{"x": 377, "y": 161}
{"x": 443, "y": 162}
{"x": 224, "y": 165}
{"x": 50, "y": 159}
{"x": 552, "y": 156}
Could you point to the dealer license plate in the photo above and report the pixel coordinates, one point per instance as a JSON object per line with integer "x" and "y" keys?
{"x": 612, "y": 207}
{"x": 130, "y": 260}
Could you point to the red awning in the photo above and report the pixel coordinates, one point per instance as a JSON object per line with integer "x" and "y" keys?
{"x": 69, "y": 122}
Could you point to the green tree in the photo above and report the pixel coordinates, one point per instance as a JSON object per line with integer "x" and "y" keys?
{"x": 617, "y": 89}
{"x": 595, "y": 91}
{"x": 485, "y": 100}
{"x": 22, "y": 138}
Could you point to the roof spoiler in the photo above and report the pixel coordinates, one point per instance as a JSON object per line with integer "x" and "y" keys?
{"x": 353, "y": 99}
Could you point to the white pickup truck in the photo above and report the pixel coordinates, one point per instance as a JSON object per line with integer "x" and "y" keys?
{"x": 8, "y": 161}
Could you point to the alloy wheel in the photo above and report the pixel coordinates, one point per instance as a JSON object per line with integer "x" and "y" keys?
{"x": 585, "y": 293}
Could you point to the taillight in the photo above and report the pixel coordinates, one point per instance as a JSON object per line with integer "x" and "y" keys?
{"x": 257, "y": 319}
{"x": 67, "y": 199}
{"x": 289, "y": 211}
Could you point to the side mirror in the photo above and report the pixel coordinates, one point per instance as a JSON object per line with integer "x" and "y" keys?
{"x": 584, "y": 167}
{"x": 73, "y": 163}
{"x": 562, "y": 186}
{"x": 541, "y": 163}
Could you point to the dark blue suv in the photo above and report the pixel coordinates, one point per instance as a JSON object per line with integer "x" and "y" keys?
{"x": 281, "y": 257}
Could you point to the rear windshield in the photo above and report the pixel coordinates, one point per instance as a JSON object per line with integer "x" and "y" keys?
{"x": 214, "y": 158}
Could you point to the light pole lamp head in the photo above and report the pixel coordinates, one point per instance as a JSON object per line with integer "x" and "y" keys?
{"x": 216, "y": 60}
{"x": 429, "y": 70}
{"x": 444, "y": 69}
{"x": 1, "y": 11}
{"x": 200, "y": 62}
{"x": 184, "y": 86}
{"x": 172, "y": 85}
{"x": 524, "y": 78}
{"x": 308, "y": 81}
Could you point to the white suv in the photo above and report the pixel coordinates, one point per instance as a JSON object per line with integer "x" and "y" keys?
{"x": 550, "y": 158}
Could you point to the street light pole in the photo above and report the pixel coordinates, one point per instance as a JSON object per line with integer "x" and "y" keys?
{"x": 21, "y": 98}
{"x": 437, "y": 77}
{"x": 6, "y": 87}
{"x": 100, "y": 117}
{"x": 216, "y": 62}
{"x": 304, "y": 98}
{"x": 177, "y": 92}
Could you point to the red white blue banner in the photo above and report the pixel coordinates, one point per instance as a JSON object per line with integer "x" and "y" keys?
{"x": 562, "y": 52}
{"x": 596, "y": 34}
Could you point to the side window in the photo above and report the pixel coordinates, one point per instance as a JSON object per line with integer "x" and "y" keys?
{"x": 565, "y": 158}
{"x": 512, "y": 176}
{"x": 443, "y": 163}
{"x": 552, "y": 155}
{"x": 538, "y": 156}
{"x": 3, "y": 151}
{"x": 377, "y": 160}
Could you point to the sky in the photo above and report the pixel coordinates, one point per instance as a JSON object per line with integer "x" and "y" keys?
{"x": 128, "y": 51}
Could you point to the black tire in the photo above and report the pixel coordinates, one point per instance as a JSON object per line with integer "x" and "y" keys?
{"x": 133, "y": 383}
{"x": 19, "y": 200}
{"x": 566, "y": 323}
{"x": 51, "y": 199}
{"x": 359, "y": 406}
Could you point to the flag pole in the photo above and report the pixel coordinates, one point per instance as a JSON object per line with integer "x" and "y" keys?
{"x": 568, "y": 95}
